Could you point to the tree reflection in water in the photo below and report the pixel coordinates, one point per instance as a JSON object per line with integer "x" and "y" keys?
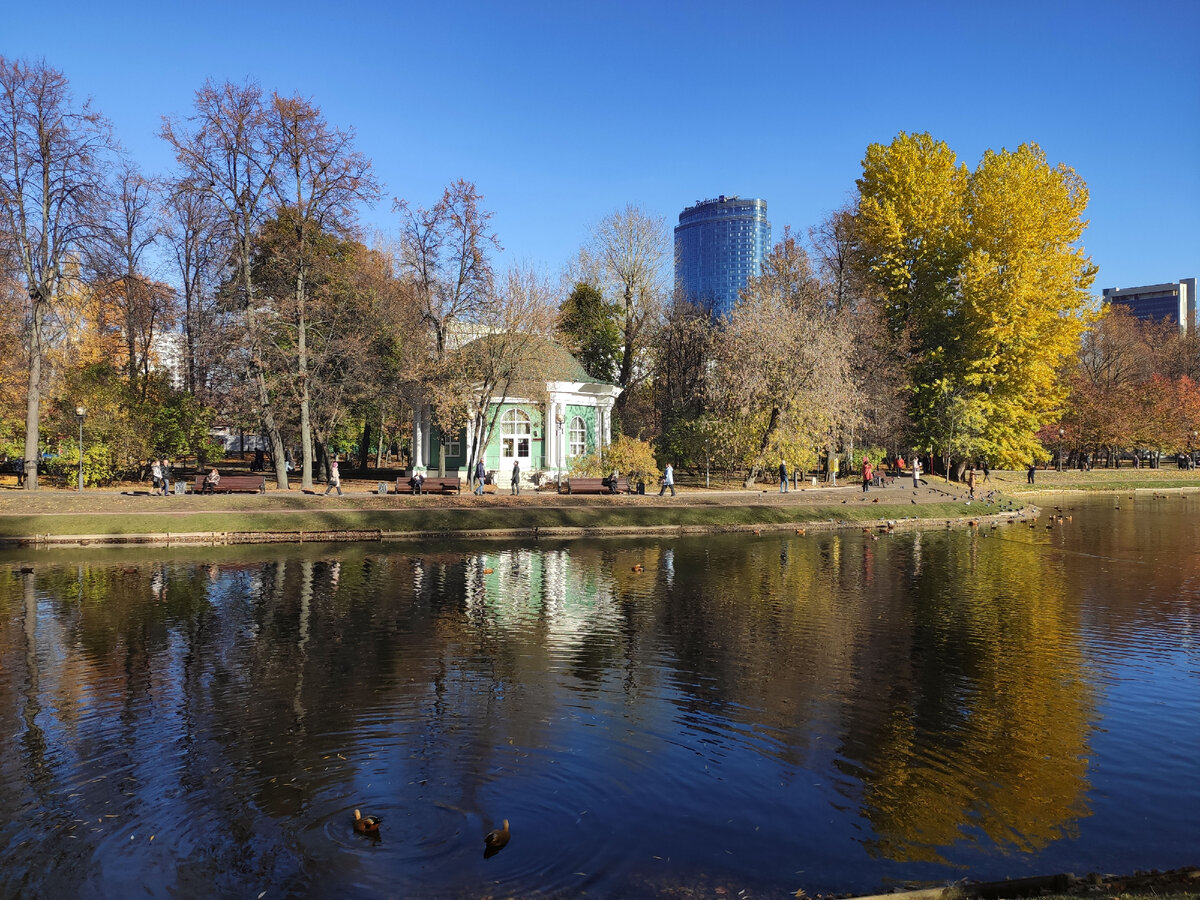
{"x": 645, "y": 712}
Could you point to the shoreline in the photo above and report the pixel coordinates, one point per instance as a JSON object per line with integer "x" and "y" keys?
{"x": 55, "y": 518}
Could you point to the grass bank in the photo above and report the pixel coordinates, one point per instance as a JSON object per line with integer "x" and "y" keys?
{"x": 97, "y": 515}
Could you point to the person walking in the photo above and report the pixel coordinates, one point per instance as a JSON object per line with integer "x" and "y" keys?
{"x": 166, "y": 477}
{"x": 916, "y": 471}
{"x": 833, "y": 469}
{"x": 668, "y": 480}
{"x": 480, "y": 476}
{"x": 971, "y": 483}
{"x": 155, "y": 476}
{"x": 783, "y": 477}
{"x": 335, "y": 478}
{"x": 987, "y": 470}
{"x": 19, "y": 468}
{"x": 867, "y": 473}
{"x": 516, "y": 478}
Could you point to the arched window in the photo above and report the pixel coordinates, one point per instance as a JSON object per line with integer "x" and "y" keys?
{"x": 578, "y": 437}
{"x": 515, "y": 431}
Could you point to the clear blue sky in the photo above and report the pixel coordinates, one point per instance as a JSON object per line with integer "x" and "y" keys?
{"x": 562, "y": 112}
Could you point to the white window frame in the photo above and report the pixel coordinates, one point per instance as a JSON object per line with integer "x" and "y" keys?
{"x": 576, "y": 448}
{"x": 516, "y": 434}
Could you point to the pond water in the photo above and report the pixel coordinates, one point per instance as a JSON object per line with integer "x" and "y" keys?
{"x": 833, "y": 712}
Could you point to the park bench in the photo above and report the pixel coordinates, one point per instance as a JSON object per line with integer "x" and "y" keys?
{"x": 594, "y": 486}
{"x": 255, "y": 484}
{"x": 433, "y": 485}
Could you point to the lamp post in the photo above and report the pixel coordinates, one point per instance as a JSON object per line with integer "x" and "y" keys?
{"x": 80, "y": 412}
{"x": 1060, "y": 448}
{"x": 1191, "y": 441}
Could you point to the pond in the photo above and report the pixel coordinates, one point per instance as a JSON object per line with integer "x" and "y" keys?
{"x": 833, "y": 712}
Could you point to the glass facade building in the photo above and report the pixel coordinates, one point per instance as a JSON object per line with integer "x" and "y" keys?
{"x": 719, "y": 244}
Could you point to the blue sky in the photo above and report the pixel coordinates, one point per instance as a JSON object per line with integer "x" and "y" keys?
{"x": 563, "y": 112}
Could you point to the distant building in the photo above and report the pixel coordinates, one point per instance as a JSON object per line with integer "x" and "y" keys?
{"x": 1174, "y": 301}
{"x": 719, "y": 245}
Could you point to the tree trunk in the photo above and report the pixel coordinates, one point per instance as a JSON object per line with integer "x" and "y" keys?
{"x": 306, "y": 480}
{"x": 364, "y": 444}
{"x": 626, "y": 374}
{"x": 34, "y": 397}
{"x": 379, "y": 446}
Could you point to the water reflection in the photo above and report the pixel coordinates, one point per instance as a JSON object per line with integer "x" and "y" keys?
{"x": 832, "y": 712}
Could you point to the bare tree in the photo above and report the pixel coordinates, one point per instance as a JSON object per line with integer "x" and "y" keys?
{"x": 119, "y": 261}
{"x": 631, "y": 250}
{"x": 320, "y": 181}
{"x": 227, "y": 152}
{"x": 510, "y": 361}
{"x": 197, "y": 235}
{"x": 52, "y": 165}
{"x": 444, "y": 257}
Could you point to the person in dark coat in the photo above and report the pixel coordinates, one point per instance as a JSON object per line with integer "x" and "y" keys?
{"x": 480, "y": 476}
{"x": 783, "y": 477}
{"x": 516, "y": 478}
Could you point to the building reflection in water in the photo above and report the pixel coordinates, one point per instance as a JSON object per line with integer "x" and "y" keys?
{"x": 909, "y": 697}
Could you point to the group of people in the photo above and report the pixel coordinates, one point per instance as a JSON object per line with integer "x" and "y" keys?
{"x": 160, "y": 477}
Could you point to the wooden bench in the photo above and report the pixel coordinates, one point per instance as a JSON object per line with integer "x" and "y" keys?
{"x": 594, "y": 486}
{"x": 255, "y": 484}
{"x": 433, "y": 485}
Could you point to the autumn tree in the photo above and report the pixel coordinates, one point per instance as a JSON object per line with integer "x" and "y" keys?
{"x": 227, "y": 152}
{"x": 320, "y": 179}
{"x": 53, "y": 156}
{"x": 780, "y": 384}
{"x": 879, "y": 367}
{"x": 984, "y": 274}
{"x": 681, "y": 353}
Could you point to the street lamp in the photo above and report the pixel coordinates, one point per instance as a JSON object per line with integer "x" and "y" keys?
{"x": 80, "y": 412}
{"x": 1060, "y": 448}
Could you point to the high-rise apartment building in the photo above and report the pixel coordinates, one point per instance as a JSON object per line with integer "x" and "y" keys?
{"x": 1174, "y": 301}
{"x": 719, "y": 244}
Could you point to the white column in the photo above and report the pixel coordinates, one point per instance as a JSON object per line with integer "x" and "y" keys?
{"x": 418, "y": 437}
{"x": 550, "y": 438}
{"x": 608, "y": 425}
{"x": 426, "y": 435}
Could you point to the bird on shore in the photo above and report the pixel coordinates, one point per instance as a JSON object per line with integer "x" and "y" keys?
{"x": 366, "y": 824}
{"x": 495, "y": 840}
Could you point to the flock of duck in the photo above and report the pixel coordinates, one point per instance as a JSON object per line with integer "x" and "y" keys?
{"x": 493, "y": 842}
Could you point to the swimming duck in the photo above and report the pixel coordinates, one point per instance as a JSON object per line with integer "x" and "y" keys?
{"x": 495, "y": 840}
{"x": 366, "y": 824}
{"x": 638, "y": 568}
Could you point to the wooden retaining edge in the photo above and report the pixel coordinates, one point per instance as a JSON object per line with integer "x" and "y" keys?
{"x": 561, "y": 532}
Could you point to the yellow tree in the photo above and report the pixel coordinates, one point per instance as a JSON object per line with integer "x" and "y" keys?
{"x": 910, "y": 231}
{"x": 1025, "y": 301}
{"x": 984, "y": 273}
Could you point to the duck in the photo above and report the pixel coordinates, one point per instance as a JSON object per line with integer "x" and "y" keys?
{"x": 495, "y": 840}
{"x": 366, "y": 824}
{"x": 639, "y": 567}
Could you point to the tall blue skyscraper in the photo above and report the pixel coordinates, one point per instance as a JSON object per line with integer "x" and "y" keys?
{"x": 719, "y": 244}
